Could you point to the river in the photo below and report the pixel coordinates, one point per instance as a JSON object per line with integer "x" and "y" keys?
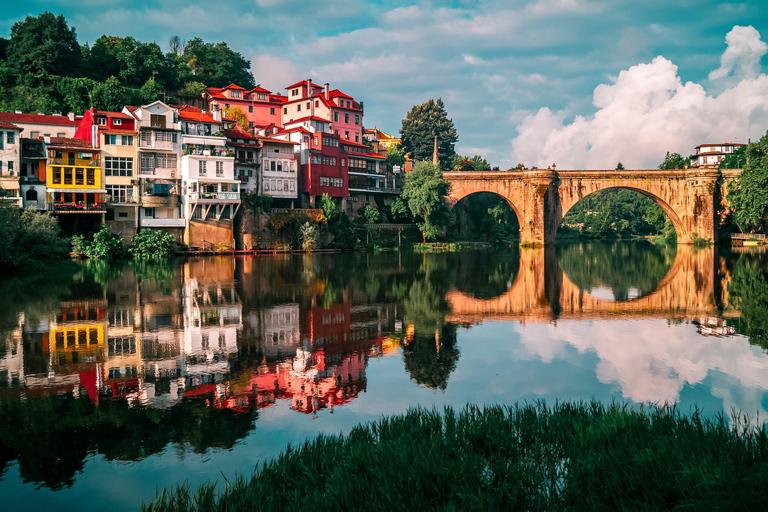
{"x": 123, "y": 379}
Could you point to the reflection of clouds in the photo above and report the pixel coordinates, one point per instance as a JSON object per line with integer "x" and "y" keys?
{"x": 653, "y": 364}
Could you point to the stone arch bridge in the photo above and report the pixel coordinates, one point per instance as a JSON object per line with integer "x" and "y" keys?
{"x": 540, "y": 198}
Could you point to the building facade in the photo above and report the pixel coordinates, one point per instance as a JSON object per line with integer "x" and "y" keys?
{"x": 10, "y": 163}
{"x": 158, "y": 154}
{"x": 210, "y": 193}
{"x": 115, "y": 134}
{"x": 36, "y": 126}
{"x": 710, "y": 155}
{"x": 307, "y": 99}
{"x": 260, "y": 106}
{"x": 33, "y": 171}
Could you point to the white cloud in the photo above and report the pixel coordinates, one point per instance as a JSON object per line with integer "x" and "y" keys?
{"x": 742, "y": 57}
{"x": 648, "y": 110}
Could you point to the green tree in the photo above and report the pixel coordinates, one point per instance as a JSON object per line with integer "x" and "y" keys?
{"x": 395, "y": 156}
{"x": 192, "y": 89}
{"x": 216, "y": 65}
{"x": 747, "y": 195}
{"x": 371, "y": 214}
{"x": 329, "y": 207}
{"x": 734, "y": 160}
{"x": 673, "y": 161}
{"x": 398, "y": 211}
{"x": 149, "y": 91}
{"x": 310, "y": 236}
{"x": 424, "y": 191}
{"x": 106, "y": 245}
{"x": 421, "y": 125}
{"x": 110, "y": 95}
{"x": 43, "y": 45}
{"x": 620, "y": 166}
{"x": 153, "y": 244}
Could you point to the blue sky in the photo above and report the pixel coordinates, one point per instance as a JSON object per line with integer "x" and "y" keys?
{"x": 572, "y": 82}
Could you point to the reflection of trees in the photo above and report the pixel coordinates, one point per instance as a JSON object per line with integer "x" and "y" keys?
{"x": 51, "y": 436}
{"x": 485, "y": 275}
{"x": 748, "y": 291}
{"x": 618, "y": 266}
{"x": 431, "y": 356}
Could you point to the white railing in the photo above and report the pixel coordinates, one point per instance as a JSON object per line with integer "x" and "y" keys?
{"x": 215, "y": 196}
{"x": 162, "y": 223}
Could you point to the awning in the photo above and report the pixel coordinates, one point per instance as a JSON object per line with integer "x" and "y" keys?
{"x": 79, "y": 190}
{"x": 205, "y": 141}
{"x": 162, "y": 181}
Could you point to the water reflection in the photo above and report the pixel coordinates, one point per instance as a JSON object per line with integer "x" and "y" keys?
{"x": 124, "y": 361}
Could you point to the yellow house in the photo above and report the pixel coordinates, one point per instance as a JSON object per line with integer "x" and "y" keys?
{"x": 77, "y": 332}
{"x": 74, "y": 179}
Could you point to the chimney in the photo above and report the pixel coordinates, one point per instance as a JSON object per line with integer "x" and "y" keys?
{"x": 327, "y": 91}
{"x": 435, "y": 157}
{"x": 309, "y": 87}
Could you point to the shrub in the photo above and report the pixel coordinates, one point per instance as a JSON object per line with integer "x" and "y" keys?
{"x": 153, "y": 243}
{"x": 29, "y": 238}
{"x": 77, "y": 244}
{"x": 106, "y": 245}
{"x": 309, "y": 236}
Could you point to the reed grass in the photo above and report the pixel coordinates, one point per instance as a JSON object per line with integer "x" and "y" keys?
{"x": 571, "y": 456}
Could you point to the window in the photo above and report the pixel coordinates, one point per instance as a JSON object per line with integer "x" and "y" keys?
{"x": 298, "y": 108}
{"x": 326, "y": 160}
{"x": 272, "y": 111}
{"x": 357, "y": 119}
{"x": 315, "y": 159}
{"x": 101, "y": 121}
{"x": 57, "y": 175}
{"x": 285, "y": 110}
{"x": 261, "y": 96}
{"x": 117, "y": 122}
{"x": 68, "y": 176}
{"x": 333, "y": 160}
{"x": 343, "y": 163}
{"x": 273, "y": 165}
{"x": 79, "y": 176}
{"x": 346, "y": 135}
{"x": 10, "y": 168}
{"x": 156, "y": 121}
{"x": 235, "y": 94}
{"x": 280, "y": 165}
{"x": 308, "y": 105}
{"x": 165, "y": 136}
{"x": 314, "y": 141}
{"x": 120, "y": 193}
{"x": 31, "y": 194}
{"x": 250, "y": 109}
{"x": 346, "y": 118}
{"x": 201, "y": 168}
{"x": 219, "y": 168}
{"x": 34, "y": 135}
{"x": 266, "y": 185}
{"x": 250, "y": 124}
{"x": 295, "y": 92}
{"x": 11, "y": 137}
{"x": 118, "y": 166}
{"x": 126, "y": 140}
{"x": 336, "y": 117}
{"x": 149, "y": 213}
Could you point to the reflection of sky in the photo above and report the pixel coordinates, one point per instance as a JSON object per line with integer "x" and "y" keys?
{"x": 606, "y": 293}
{"x": 500, "y": 362}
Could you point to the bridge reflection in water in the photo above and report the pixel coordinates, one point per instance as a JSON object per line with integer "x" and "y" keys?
{"x": 542, "y": 292}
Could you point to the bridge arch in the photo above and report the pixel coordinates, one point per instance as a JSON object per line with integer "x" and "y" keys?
{"x": 461, "y": 190}
{"x": 567, "y": 203}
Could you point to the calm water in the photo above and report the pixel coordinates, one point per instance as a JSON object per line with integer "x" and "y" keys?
{"x": 122, "y": 379}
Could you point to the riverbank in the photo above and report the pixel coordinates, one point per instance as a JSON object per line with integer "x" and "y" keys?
{"x": 573, "y": 456}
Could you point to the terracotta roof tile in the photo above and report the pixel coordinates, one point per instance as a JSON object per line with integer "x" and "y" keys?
{"x": 11, "y": 117}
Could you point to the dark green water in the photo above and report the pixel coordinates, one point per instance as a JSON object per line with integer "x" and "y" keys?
{"x": 122, "y": 379}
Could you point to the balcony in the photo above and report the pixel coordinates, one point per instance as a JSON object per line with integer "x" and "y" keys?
{"x": 127, "y": 201}
{"x": 79, "y": 207}
{"x": 10, "y": 201}
{"x": 158, "y": 201}
{"x": 158, "y": 172}
{"x": 214, "y": 196}
{"x": 40, "y": 204}
{"x": 166, "y": 145}
{"x": 74, "y": 163}
{"x": 162, "y": 223}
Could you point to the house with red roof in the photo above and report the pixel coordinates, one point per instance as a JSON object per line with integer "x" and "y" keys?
{"x": 319, "y": 158}
{"x": 710, "y": 155}
{"x": 115, "y": 134}
{"x": 306, "y": 98}
{"x": 260, "y": 106}
{"x": 35, "y": 126}
{"x": 210, "y": 195}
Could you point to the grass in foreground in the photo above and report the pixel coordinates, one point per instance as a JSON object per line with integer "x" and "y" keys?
{"x": 573, "y": 456}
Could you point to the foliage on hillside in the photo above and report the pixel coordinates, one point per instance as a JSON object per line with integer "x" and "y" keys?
{"x": 43, "y": 68}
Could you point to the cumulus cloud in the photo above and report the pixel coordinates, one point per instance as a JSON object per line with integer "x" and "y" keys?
{"x": 648, "y": 110}
{"x": 742, "y": 57}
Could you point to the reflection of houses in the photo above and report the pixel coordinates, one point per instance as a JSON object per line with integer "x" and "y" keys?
{"x": 12, "y": 360}
{"x": 713, "y": 326}
{"x": 10, "y": 160}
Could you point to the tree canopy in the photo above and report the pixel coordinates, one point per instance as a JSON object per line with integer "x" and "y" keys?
{"x": 673, "y": 161}
{"x": 424, "y": 191}
{"x": 746, "y": 195}
{"x": 44, "y": 69}
{"x": 421, "y": 125}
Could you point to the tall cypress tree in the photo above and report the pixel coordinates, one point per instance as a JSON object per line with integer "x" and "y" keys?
{"x": 420, "y": 127}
